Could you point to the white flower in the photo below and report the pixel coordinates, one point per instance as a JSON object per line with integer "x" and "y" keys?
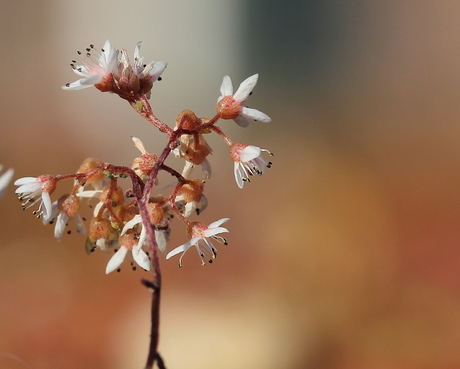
{"x": 128, "y": 241}
{"x": 30, "y": 188}
{"x": 199, "y": 235}
{"x": 67, "y": 207}
{"x": 5, "y": 179}
{"x": 96, "y": 68}
{"x": 191, "y": 198}
{"x": 159, "y": 235}
{"x": 230, "y": 106}
{"x": 247, "y": 162}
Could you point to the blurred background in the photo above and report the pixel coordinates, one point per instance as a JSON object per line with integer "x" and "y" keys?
{"x": 344, "y": 255}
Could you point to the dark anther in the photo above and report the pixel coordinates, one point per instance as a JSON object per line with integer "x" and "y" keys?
{"x": 84, "y": 219}
{"x": 103, "y": 50}
{"x": 119, "y": 270}
{"x": 69, "y": 232}
{"x": 159, "y": 79}
{"x": 88, "y": 49}
{"x": 67, "y": 85}
{"x": 79, "y": 52}
{"x": 91, "y": 46}
{"x": 210, "y": 261}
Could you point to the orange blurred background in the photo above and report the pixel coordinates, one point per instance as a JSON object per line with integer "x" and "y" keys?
{"x": 345, "y": 254}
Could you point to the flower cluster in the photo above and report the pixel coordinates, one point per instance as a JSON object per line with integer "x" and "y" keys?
{"x": 135, "y": 221}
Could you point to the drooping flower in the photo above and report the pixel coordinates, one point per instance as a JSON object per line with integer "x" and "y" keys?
{"x": 191, "y": 198}
{"x": 5, "y": 179}
{"x": 230, "y": 106}
{"x": 159, "y": 222}
{"x": 31, "y": 190}
{"x": 128, "y": 242}
{"x": 247, "y": 162}
{"x": 101, "y": 235}
{"x": 96, "y": 68}
{"x": 67, "y": 207}
{"x": 200, "y": 235}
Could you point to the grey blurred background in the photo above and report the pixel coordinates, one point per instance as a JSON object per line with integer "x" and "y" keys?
{"x": 344, "y": 255}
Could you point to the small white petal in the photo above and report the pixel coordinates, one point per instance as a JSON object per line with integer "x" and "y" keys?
{"x": 157, "y": 69}
{"x": 245, "y": 88}
{"x": 238, "y": 176}
{"x": 5, "y": 178}
{"x": 137, "y": 51}
{"x": 81, "y": 229}
{"x": 249, "y": 153}
{"x": 116, "y": 260}
{"x": 226, "y": 89}
{"x": 48, "y": 206}
{"x": 241, "y": 121}
{"x": 136, "y": 220}
{"x": 217, "y": 223}
{"x": 24, "y": 180}
{"x": 213, "y": 231}
{"x": 141, "y": 258}
{"x": 255, "y": 114}
{"x": 83, "y": 83}
{"x": 161, "y": 240}
{"x": 206, "y": 166}
{"x": 61, "y": 221}
{"x": 181, "y": 248}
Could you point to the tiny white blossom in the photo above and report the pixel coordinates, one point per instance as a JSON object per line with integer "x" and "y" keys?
{"x": 32, "y": 189}
{"x": 96, "y": 68}
{"x": 232, "y": 107}
{"x": 200, "y": 235}
{"x": 247, "y": 162}
{"x": 159, "y": 235}
{"x": 128, "y": 242}
{"x": 5, "y": 179}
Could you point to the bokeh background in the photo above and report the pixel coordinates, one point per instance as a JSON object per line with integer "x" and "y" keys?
{"x": 344, "y": 255}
